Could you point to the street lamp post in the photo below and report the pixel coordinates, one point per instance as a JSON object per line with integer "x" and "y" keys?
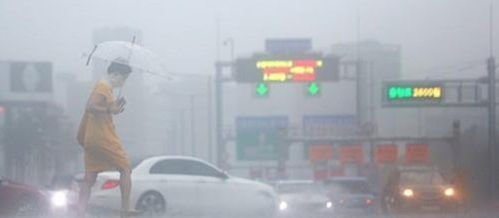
{"x": 230, "y": 42}
{"x": 219, "y": 65}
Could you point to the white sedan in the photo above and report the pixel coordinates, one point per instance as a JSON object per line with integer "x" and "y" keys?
{"x": 185, "y": 186}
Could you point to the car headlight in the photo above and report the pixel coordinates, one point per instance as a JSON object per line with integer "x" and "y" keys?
{"x": 408, "y": 192}
{"x": 59, "y": 199}
{"x": 329, "y": 204}
{"x": 449, "y": 192}
{"x": 283, "y": 205}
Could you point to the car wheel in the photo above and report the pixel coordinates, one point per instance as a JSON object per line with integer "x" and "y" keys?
{"x": 151, "y": 204}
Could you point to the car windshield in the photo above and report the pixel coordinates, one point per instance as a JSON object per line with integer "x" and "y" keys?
{"x": 350, "y": 186}
{"x": 288, "y": 188}
{"x": 421, "y": 178}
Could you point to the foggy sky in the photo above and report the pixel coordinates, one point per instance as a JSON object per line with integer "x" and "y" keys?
{"x": 436, "y": 36}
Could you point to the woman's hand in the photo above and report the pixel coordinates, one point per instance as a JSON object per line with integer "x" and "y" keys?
{"x": 118, "y": 106}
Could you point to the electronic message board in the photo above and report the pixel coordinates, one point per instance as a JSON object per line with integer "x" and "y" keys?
{"x": 280, "y": 69}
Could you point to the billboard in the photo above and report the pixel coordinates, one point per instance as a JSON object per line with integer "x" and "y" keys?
{"x": 30, "y": 77}
{"x": 416, "y": 153}
{"x": 26, "y": 81}
{"x": 287, "y": 69}
{"x": 386, "y": 153}
{"x": 351, "y": 154}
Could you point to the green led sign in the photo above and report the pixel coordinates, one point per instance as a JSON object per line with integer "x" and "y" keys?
{"x": 415, "y": 92}
{"x": 313, "y": 89}
{"x": 262, "y": 89}
{"x": 412, "y": 93}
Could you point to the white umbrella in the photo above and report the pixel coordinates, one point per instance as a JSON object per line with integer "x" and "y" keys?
{"x": 139, "y": 58}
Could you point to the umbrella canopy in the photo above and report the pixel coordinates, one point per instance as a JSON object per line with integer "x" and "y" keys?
{"x": 139, "y": 58}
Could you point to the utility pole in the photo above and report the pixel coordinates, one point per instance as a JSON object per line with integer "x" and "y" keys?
{"x": 193, "y": 126}
{"x": 209, "y": 122}
{"x": 492, "y": 122}
{"x": 491, "y": 67}
{"x": 220, "y": 142}
{"x": 218, "y": 114}
{"x": 182, "y": 131}
{"x": 282, "y": 152}
{"x": 456, "y": 144}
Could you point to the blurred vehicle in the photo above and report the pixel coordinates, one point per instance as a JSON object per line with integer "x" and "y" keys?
{"x": 185, "y": 186}
{"x": 418, "y": 189}
{"x": 300, "y": 198}
{"x": 62, "y": 193}
{"x": 351, "y": 195}
{"x": 21, "y": 200}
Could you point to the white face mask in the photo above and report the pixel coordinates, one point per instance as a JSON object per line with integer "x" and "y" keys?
{"x": 117, "y": 80}
{"x": 120, "y": 81}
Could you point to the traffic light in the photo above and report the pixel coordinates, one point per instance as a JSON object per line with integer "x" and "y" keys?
{"x": 262, "y": 90}
{"x": 313, "y": 89}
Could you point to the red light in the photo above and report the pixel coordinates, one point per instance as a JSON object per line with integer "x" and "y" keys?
{"x": 368, "y": 201}
{"x": 109, "y": 184}
{"x": 276, "y": 70}
{"x": 2, "y": 109}
{"x": 305, "y": 63}
{"x": 304, "y": 77}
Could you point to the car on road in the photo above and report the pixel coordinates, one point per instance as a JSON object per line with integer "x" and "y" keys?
{"x": 299, "y": 198}
{"x": 63, "y": 194}
{"x": 185, "y": 186}
{"x": 21, "y": 200}
{"x": 351, "y": 195}
{"x": 418, "y": 189}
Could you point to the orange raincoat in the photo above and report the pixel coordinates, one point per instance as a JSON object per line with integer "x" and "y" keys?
{"x": 97, "y": 135}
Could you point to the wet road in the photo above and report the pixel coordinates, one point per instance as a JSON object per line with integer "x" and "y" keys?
{"x": 415, "y": 215}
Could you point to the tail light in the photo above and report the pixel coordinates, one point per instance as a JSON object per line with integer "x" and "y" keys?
{"x": 111, "y": 183}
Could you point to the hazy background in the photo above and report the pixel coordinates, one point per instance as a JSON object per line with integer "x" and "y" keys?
{"x": 436, "y": 36}
{"x": 439, "y": 39}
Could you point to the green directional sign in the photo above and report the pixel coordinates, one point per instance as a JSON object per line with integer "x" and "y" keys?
{"x": 313, "y": 89}
{"x": 258, "y": 138}
{"x": 400, "y": 92}
{"x": 262, "y": 89}
{"x": 412, "y": 93}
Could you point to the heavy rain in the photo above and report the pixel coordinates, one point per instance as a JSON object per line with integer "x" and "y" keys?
{"x": 254, "y": 109}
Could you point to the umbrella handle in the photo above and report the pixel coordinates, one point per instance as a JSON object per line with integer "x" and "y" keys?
{"x": 130, "y": 53}
{"x": 119, "y": 92}
{"x": 91, "y": 53}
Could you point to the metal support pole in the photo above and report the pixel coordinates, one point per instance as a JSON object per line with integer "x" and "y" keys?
{"x": 182, "y": 131}
{"x": 358, "y": 84}
{"x": 283, "y": 152}
{"x": 218, "y": 114}
{"x": 210, "y": 115}
{"x": 193, "y": 126}
{"x": 492, "y": 122}
{"x": 456, "y": 143}
{"x": 220, "y": 142}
